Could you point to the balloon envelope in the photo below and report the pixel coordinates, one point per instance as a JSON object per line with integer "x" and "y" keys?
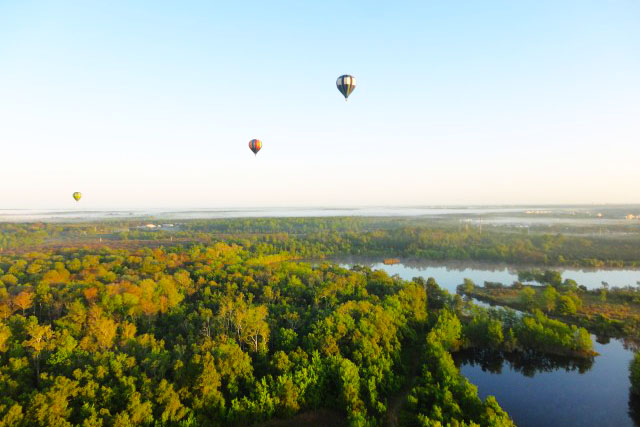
{"x": 346, "y": 84}
{"x": 255, "y": 145}
{"x": 77, "y": 196}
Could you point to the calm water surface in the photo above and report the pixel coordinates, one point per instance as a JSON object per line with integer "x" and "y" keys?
{"x": 450, "y": 275}
{"x": 563, "y": 396}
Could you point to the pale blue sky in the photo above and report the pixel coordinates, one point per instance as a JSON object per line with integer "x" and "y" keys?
{"x": 152, "y": 103}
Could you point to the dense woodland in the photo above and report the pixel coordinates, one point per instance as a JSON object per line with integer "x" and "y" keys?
{"x": 237, "y": 333}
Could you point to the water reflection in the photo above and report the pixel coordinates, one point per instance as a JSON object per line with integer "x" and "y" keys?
{"x": 452, "y": 273}
{"x": 634, "y": 408}
{"x": 536, "y": 390}
{"x": 526, "y": 363}
{"x": 550, "y": 391}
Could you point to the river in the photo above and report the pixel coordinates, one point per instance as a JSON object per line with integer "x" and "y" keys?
{"x": 449, "y": 275}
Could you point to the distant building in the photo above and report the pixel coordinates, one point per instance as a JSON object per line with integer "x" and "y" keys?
{"x": 631, "y": 216}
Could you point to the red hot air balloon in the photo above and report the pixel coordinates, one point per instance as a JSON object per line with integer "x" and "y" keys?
{"x": 255, "y": 145}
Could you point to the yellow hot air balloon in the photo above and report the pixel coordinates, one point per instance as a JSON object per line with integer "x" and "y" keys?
{"x": 77, "y": 196}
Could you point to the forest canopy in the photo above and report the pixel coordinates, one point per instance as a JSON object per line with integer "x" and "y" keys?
{"x": 238, "y": 331}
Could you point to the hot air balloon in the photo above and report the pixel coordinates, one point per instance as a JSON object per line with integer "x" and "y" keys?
{"x": 346, "y": 84}
{"x": 77, "y": 196}
{"x": 255, "y": 145}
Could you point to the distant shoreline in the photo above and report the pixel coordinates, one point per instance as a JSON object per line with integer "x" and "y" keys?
{"x": 523, "y": 213}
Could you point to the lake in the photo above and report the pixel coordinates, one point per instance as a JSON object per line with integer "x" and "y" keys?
{"x": 543, "y": 391}
{"x": 558, "y": 394}
{"x": 451, "y": 274}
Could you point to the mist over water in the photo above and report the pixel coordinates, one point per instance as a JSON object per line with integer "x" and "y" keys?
{"x": 474, "y": 215}
{"x": 81, "y": 214}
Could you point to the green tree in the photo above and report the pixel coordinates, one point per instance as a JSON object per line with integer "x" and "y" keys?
{"x": 40, "y": 339}
{"x": 634, "y": 374}
{"x": 566, "y": 305}
{"x": 527, "y": 297}
{"x": 548, "y": 298}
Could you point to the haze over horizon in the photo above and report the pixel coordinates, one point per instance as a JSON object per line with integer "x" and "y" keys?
{"x": 150, "y": 105}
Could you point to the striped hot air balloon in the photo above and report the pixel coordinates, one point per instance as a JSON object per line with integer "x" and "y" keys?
{"x": 77, "y": 196}
{"x": 346, "y": 84}
{"x": 255, "y": 145}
